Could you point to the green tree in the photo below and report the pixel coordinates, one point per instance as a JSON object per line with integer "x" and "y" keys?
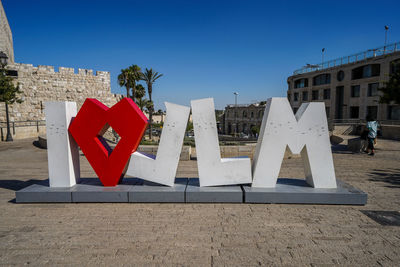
{"x": 128, "y": 78}
{"x": 255, "y": 130}
{"x": 391, "y": 88}
{"x": 9, "y": 95}
{"x": 140, "y": 92}
{"x": 142, "y": 103}
{"x": 135, "y": 76}
{"x": 124, "y": 80}
{"x": 150, "y": 77}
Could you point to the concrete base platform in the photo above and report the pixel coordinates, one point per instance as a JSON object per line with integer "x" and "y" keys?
{"x": 296, "y": 191}
{"x": 91, "y": 190}
{"x": 289, "y": 191}
{"x": 145, "y": 191}
{"x": 39, "y": 193}
{"x": 213, "y": 194}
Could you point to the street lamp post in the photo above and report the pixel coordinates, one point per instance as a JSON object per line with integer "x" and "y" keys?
{"x": 386, "y": 30}
{"x": 236, "y": 94}
{"x": 3, "y": 63}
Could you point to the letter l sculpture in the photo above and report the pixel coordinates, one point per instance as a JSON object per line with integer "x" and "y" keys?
{"x": 213, "y": 170}
{"x": 163, "y": 168}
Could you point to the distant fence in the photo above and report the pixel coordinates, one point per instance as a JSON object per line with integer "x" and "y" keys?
{"x": 16, "y": 126}
{"x": 362, "y": 121}
{"x": 371, "y": 53}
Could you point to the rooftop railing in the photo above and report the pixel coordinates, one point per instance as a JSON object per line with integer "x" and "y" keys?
{"x": 371, "y": 53}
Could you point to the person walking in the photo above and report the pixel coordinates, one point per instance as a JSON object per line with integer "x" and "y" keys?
{"x": 372, "y": 127}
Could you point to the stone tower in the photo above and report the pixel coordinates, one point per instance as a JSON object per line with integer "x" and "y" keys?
{"x": 6, "y": 41}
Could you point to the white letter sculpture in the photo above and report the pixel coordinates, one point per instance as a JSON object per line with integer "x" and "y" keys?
{"x": 62, "y": 150}
{"x": 305, "y": 133}
{"x": 163, "y": 168}
{"x": 213, "y": 170}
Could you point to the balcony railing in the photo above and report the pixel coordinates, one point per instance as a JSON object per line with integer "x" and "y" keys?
{"x": 371, "y": 53}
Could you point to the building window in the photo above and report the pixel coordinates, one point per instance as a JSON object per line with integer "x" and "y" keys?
{"x": 327, "y": 93}
{"x": 394, "y": 66}
{"x": 373, "y": 89}
{"x": 355, "y": 91}
{"x": 322, "y": 79}
{"x": 252, "y": 114}
{"x": 288, "y": 97}
{"x": 393, "y": 113}
{"x": 260, "y": 114}
{"x": 301, "y": 83}
{"x": 244, "y": 114}
{"x": 372, "y": 111}
{"x": 305, "y": 96}
{"x": 354, "y": 112}
{"x": 236, "y": 115}
{"x": 366, "y": 71}
{"x": 12, "y": 73}
{"x": 315, "y": 95}
{"x": 327, "y": 111}
{"x": 288, "y": 85}
{"x": 296, "y": 97}
{"x": 340, "y": 76}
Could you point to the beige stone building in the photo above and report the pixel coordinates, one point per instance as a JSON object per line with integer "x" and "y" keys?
{"x": 241, "y": 118}
{"x": 348, "y": 85}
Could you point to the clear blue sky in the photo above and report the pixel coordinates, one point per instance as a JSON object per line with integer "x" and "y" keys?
{"x": 203, "y": 48}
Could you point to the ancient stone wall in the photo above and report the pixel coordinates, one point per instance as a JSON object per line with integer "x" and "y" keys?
{"x": 44, "y": 83}
{"x": 6, "y": 41}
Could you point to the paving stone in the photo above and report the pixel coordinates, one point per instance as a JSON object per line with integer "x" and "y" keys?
{"x": 200, "y": 234}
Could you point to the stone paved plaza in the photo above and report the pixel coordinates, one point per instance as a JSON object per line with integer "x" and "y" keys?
{"x": 201, "y": 234}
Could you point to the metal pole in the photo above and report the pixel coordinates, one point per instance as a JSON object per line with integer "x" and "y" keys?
{"x": 236, "y": 113}
{"x": 386, "y": 29}
{"x": 9, "y": 137}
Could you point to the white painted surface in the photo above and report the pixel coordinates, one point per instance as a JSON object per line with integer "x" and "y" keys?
{"x": 213, "y": 170}
{"x": 163, "y": 168}
{"x": 305, "y": 133}
{"x": 62, "y": 150}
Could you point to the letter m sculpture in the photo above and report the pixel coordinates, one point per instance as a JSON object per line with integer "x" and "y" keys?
{"x": 306, "y": 133}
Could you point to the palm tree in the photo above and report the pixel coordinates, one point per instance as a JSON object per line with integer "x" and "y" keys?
{"x": 150, "y": 76}
{"x": 142, "y": 103}
{"x": 128, "y": 78}
{"x": 123, "y": 80}
{"x": 140, "y": 92}
{"x": 135, "y": 75}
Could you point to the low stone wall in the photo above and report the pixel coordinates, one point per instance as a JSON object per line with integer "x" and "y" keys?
{"x": 185, "y": 153}
{"x": 391, "y": 131}
{"x": 242, "y": 151}
{"x": 22, "y": 132}
{"x": 386, "y": 131}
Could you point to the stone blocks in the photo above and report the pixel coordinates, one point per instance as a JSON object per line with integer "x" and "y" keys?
{"x": 134, "y": 190}
{"x": 213, "y": 194}
{"x": 296, "y": 191}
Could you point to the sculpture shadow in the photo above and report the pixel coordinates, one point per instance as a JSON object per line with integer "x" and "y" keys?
{"x": 16, "y": 185}
{"x": 389, "y": 176}
{"x": 37, "y": 144}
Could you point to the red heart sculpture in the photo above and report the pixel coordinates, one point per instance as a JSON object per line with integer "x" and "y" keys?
{"x": 87, "y": 128}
